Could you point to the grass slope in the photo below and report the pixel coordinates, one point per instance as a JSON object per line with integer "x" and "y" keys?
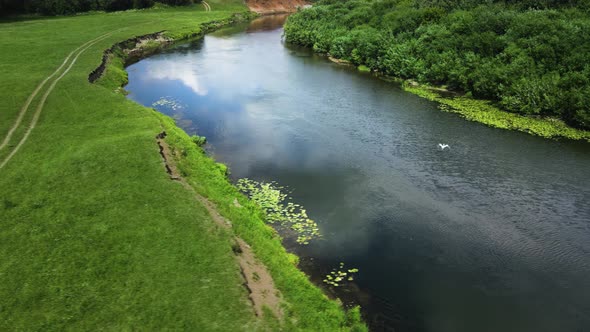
{"x": 93, "y": 233}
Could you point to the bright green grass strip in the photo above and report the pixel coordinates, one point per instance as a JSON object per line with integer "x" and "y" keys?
{"x": 482, "y": 111}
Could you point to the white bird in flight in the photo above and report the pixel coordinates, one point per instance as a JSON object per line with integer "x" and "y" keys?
{"x": 443, "y": 146}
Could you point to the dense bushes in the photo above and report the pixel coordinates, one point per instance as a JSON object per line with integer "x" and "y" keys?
{"x": 63, "y": 7}
{"x": 531, "y": 57}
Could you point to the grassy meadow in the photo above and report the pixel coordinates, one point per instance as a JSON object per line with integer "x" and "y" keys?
{"x": 93, "y": 233}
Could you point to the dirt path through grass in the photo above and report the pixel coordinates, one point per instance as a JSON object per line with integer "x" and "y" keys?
{"x": 39, "y": 108}
{"x": 257, "y": 279}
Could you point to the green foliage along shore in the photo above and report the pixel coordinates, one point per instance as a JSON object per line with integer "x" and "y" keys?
{"x": 529, "y": 57}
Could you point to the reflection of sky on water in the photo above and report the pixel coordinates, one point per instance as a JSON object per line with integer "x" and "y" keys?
{"x": 177, "y": 71}
{"x": 225, "y": 106}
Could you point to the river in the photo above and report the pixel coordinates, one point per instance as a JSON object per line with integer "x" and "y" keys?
{"x": 491, "y": 234}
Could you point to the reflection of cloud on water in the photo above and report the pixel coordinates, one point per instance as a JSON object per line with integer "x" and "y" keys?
{"x": 258, "y": 135}
{"x": 222, "y": 45}
{"x": 177, "y": 71}
{"x": 253, "y": 130}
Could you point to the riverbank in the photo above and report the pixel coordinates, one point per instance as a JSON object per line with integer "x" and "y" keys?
{"x": 485, "y": 112}
{"x": 95, "y": 233}
{"x": 209, "y": 179}
{"x": 478, "y": 110}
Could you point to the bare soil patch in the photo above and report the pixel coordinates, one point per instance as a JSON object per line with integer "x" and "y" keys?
{"x": 267, "y": 7}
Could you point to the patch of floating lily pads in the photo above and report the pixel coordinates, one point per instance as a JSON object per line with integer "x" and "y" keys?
{"x": 169, "y": 103}
{"x": 272, "y": 199}
{"x": 340, "y": 275}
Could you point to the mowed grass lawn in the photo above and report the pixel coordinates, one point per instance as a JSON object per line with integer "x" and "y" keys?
{"x": 93, "y": 233}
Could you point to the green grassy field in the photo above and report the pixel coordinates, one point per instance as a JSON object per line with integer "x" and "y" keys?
{"x": 93, "y": 233}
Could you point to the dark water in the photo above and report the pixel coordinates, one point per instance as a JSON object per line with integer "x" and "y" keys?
{"x": 492, "y": 234}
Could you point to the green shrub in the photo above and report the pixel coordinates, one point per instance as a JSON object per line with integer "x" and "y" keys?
{"x": 199, "y": 140}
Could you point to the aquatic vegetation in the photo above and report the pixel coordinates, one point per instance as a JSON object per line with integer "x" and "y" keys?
{"x": 271, "y": 198}
{"x": 364, "y": 68}
{"x": 485, "y": 112}
{"x": 168, "y": 102}
{"x": 340, "y": 275}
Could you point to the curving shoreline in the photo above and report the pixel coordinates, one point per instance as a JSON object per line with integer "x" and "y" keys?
{"x": 481, "y": 111}
{"x": 136, "y": 48}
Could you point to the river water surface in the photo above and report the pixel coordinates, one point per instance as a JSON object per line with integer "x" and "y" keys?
{"x": 492, "y": 234}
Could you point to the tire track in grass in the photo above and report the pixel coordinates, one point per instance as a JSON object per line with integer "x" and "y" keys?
{"x": 25, "y": 107}
{"x": 39, "y": 109}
